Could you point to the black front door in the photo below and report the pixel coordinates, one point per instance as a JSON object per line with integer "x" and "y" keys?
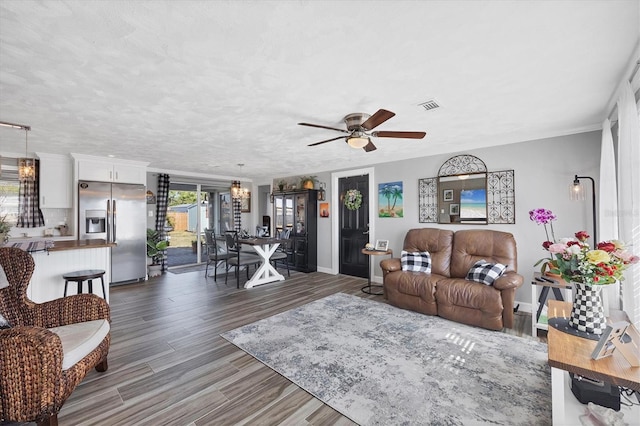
{"x": 354, "y": 228}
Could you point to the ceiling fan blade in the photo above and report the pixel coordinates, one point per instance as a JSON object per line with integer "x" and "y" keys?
{"x": 377, "y": 119}
{"x": 406, "y": 135}
{"x": 369, "y": 147}
{"x": 323, "y": 127}
{"x": 328, "y": 140}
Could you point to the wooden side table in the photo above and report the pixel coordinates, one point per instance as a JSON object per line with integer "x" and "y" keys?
{"x": 568, "y": 353}
{"x": 369, "y": 287}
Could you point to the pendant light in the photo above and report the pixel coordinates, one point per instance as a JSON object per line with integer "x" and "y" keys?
{"x": 27, "y": 165}
{"x": 237, "y": 191}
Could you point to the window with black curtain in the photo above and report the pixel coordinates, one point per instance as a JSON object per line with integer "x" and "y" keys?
{"x": 9, "y": 189}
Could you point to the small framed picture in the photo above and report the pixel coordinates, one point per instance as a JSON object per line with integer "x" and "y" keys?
{"x": 324, "y": 209}
{"x": 382, "y": 245}
{"x": 447, "y": 195}
{"x": 245, "y": 203}
{"x": 151, "y": 199}
{"x": 454, "y": 208}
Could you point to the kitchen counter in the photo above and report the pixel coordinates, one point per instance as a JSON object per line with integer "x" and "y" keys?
{"x": 80, "y": 244}
{"x": 64, "y": 257}
{"x": 34, "y": 245}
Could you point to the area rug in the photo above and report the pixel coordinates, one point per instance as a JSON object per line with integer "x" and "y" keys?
{"x": 380, "y": 365}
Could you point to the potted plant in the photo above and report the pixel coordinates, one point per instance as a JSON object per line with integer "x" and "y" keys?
{"x": 194, "y": 245}
{"x": 281, "y": 184}
{"x": 156, "y": 245}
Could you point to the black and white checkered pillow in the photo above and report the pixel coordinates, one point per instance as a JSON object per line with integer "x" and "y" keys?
{"x": 485, "y": 272}
{"x": 419, "y": 261}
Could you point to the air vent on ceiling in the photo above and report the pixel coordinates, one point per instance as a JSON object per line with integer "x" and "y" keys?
{"x": 430, "y": 104}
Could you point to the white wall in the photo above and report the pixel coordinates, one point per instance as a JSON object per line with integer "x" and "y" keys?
{"x": 543, "y": 169}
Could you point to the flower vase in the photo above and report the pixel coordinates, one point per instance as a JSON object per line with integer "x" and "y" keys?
{"x": 587, "y": 314}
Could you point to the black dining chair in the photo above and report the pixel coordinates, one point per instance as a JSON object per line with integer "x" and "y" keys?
{"x": 282, "y": 252}
{"x": 216, "y": 252}
{"x": 237, "y": 257}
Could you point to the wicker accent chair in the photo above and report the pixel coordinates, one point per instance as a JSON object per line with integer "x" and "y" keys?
{"x": 33, "y": 383}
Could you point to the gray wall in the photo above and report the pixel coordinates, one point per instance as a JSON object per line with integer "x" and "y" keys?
{"x": 544, "y": 170}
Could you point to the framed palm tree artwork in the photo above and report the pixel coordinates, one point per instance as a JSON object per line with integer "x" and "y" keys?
{"x": 390, "y": 202}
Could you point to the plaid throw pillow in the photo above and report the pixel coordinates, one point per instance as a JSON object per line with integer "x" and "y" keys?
{"x": 416, "y": 261}
{"x": 485, "y": 272}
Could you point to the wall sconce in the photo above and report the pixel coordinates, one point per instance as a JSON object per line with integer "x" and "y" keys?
{"x": 577, "y": 193}
{"x": 321, "y": 191}
{"x": 26, "y": 166}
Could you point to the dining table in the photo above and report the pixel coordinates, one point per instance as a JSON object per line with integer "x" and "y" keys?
{"x": 266, "y": 272}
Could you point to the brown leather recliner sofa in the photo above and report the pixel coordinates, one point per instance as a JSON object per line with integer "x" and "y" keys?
{"x": 445, "y": 291}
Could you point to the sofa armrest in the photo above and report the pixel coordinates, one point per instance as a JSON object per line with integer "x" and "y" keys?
{"x": 70, "y": 310}
{"x": 508, "y": 280}
{"x": 30, "y": 371}
{"x": 390, "y": 265}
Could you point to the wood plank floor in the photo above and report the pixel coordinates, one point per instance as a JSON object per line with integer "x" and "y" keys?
{"x": 168, "y": 364}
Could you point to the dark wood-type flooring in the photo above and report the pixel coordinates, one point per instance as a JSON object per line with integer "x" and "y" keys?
{"x": 168, "y": 364}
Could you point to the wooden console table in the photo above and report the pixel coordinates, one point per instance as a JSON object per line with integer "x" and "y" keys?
{"x": 568, "y": 353}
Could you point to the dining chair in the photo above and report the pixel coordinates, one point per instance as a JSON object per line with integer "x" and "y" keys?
{"x": 216, "y": 252}
{"x": 237, "y": 257}
{"x": 282, "y": 252}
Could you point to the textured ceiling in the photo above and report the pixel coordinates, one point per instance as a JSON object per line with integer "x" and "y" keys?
{"x": 201, "y": 86}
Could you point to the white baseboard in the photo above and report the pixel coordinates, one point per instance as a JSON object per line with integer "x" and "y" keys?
{"x": 524, "y": 307}
{"x": 325, "y": 270}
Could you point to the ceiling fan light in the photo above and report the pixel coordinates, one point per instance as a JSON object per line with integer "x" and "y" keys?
{"x": 358, "y": 141}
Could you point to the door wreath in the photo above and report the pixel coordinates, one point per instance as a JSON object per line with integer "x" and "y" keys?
{"x": 353, "y": 199}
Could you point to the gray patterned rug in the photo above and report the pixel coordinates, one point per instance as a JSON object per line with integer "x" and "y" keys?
{"x": 380, "y": 365}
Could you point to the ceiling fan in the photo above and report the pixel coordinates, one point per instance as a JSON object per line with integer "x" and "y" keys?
{"x": 359, "y": 126}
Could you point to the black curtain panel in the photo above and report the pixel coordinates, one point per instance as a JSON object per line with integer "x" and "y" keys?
{"x": 162, "y": 200}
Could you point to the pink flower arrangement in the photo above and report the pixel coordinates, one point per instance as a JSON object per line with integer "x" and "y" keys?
{"x": 575, "y": 261}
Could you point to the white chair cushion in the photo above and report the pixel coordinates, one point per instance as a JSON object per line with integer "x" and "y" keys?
{"x": 79, "y": 339}
{"x": 4, "y": 282}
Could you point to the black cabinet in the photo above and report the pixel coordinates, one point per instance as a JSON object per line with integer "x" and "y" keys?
{"x": 298, "y": 211}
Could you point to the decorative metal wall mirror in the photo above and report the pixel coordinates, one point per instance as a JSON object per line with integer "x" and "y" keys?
{"x": 465, "y": 193}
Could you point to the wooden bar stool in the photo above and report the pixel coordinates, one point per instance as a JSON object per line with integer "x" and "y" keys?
{"x": 81, "y": 276}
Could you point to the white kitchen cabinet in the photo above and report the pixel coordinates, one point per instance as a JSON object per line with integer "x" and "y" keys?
{"x": 125, "y": 173}
{"x": 55, "y": 181}
{"x": 109, "y": 170}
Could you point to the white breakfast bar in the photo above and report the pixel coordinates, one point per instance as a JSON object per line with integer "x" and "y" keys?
{"x": 64, "y": 257}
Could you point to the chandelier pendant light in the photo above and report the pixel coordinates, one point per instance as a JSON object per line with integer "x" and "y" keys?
{"x": 237, "y": 191}
{"x": 26, "y": 165}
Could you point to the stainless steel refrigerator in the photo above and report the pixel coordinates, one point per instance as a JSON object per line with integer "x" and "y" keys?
{"x": 116, "y": 212}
